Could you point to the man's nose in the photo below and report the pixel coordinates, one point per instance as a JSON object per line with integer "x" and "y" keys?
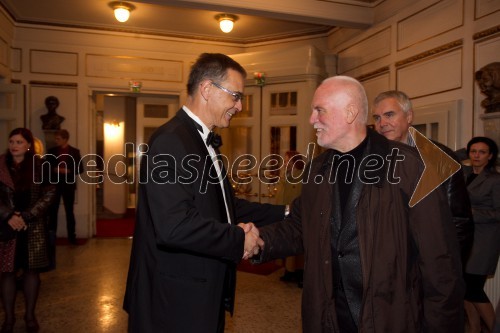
{"x": 383, "y": 122}
{"x": 239, "y": 105}
{"x": 313, "y": 118}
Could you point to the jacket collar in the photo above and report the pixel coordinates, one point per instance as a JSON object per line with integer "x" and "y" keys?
{"x": 377, "y": 145}
{"x": 480, "y": 178}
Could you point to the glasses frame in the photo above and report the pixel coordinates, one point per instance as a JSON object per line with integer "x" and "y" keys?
{"x": 237, "y": 96}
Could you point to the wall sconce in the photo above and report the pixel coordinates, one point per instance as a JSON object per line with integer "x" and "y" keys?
{"x": 226, "y": 21}
{"x": 122, "y": 10}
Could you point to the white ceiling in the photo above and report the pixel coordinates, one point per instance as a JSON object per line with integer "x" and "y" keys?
{"x": 265, "y": 20}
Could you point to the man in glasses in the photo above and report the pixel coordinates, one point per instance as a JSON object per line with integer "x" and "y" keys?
{"x": 187, "y": 240}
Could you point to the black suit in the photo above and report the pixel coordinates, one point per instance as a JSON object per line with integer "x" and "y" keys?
{"x": 66, "y": 186}
{"x": 184, "y": 254}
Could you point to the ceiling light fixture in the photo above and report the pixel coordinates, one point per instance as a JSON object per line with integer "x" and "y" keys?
{"x": 122, "y": 10}
{"x": 226, "y": 21}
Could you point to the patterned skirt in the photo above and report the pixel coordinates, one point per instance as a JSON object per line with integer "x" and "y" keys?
{"x": 7, "y": 255}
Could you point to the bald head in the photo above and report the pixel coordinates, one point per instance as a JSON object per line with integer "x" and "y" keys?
{"x": 339, "y": 113}
{"x": 355, "y": 92}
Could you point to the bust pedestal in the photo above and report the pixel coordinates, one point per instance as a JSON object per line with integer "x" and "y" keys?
{"x": 50, "y": 136}
{"x": 491, "y": 123}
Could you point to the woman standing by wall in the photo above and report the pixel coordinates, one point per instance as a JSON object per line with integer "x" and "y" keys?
{"x": 483, "y": 185}
{"x": 25, "y": 195}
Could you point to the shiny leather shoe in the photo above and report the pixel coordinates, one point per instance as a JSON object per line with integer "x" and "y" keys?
{"x": 32, "y": 326}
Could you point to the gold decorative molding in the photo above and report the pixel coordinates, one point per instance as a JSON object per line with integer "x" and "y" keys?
{"x": 54, "y": 84}
{"x": 486, "y": 33}
{"x": 373, "y": 74}
{"x": 430, "y": 53}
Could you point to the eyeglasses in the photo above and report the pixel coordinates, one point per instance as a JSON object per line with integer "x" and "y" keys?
{"x": 237, "y": 96}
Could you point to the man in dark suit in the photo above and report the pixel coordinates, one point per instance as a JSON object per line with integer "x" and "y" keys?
{"x": 65, "y": 165}
{"x": 393, "y": 115}
{"x": 187, "y": 240}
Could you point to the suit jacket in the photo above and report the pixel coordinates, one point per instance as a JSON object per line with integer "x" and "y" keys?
{"x": 484, "y": 192}
{"x": 184, "y": 254}
{"x": 74, "y": 166}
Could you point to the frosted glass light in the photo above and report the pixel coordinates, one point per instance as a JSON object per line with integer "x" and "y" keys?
{"x": 226, "y": 25}
{"x": 122, "y": 14}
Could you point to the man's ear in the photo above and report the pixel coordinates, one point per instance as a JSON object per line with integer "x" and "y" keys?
{"x": 409, "y": 116}
{"x": 205, "y": 89}
{"x": 351, "y": 113}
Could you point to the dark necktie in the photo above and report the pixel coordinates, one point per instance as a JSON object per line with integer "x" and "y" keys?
{"x": 214, "y": 140}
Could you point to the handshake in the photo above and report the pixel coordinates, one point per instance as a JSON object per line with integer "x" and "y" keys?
{"x": 253, "y": 242}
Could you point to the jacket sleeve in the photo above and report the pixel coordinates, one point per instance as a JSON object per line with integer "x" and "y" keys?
{"x": 438, "y": 263}
{"x": 259, "y": 214}
{"x": 459, "y": 202}
{"x": 490, "y": 214}
{"x": 42, "y": 204}
{"x": 284, "y": 238}
{"x": 45, "y": 199}
{"x": 182, "y": 210}
{"x": 6, "y": 210}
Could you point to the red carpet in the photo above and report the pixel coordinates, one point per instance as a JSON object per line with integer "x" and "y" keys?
{"x": 262, "y": 269}
{"x": 64, "y": 241}
{"x": 123, "y": 227}
{"x": 116, "y": 227}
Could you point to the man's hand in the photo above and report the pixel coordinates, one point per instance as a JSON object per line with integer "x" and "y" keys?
{"x": 253, "y": 242}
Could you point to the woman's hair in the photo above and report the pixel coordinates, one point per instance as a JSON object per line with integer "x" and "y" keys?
{"x": 26, "y": 170}
{"x": 25, "y": 133}
{"x": 492, "y": 147}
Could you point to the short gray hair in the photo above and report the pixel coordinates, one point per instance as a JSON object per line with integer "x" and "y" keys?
{"x": 402, "y": 99}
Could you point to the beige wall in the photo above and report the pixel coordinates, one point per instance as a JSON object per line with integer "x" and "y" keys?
{"x": 429, "y": 49}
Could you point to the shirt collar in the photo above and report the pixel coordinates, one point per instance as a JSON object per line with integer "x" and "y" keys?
{"x": 198, "y": 121}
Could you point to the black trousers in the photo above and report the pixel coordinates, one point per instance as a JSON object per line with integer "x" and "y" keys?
{"x": 67, "y": 193}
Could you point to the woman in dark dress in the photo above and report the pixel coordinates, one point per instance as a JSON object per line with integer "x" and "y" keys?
{"x": 25, "y": 195}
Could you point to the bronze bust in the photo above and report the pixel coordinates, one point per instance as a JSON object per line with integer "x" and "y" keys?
{"x": 488, "y": 80}
{"x": 51, "y": 120}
